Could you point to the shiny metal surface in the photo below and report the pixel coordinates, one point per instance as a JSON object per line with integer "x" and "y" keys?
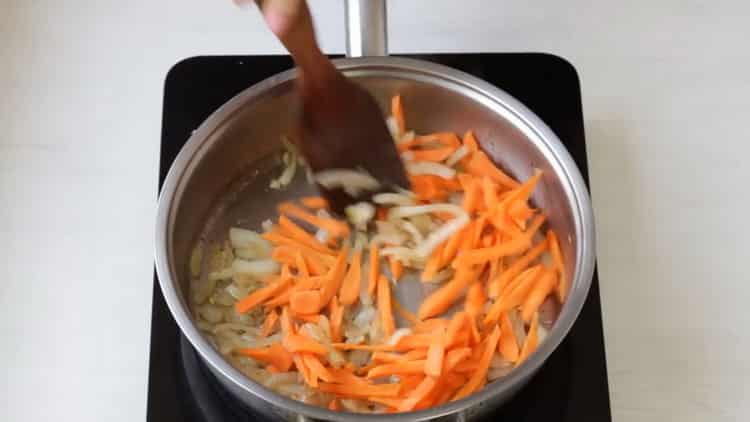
{"x": 220, "y": 177}
{"x": 366, "y": 28}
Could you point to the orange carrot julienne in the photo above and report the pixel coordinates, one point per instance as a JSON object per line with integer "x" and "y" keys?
{"x": 416, "y": 354}
{"x": 281, "y": 240}
{"x": 397, "y": 111}
{"x": 443, "y": 298}
{"x": 286, "y": 322}
{"x": 301, "y": 265}
{"x": 361, "y": 390}
{"x": 316, "y": 368}
{"x": 304, "y": 370}
{"x": 516, "y": 294}
{"x": 303, "y": 237}
{"x": 456, "y": 324}
{"x": 480, "y": 374}
{"x": 424, "y": 388}
{"x": 366, "y": 347}
{"x": 334, "y": 278}
{"x": 489, "y": 192}
{"x": 470, "y": 142}
{"x": 334, "y": 227}
{"x": 334, "y": 405}
{"x": 305, "y": 301}
{"x": 498, "y": 284}
{"x": 299, "y": 343}
{"x": 534, "y": 298}
{"x": 387, "y": 357}
{"x": 432, "y": 266}
{"x": 397, "y": 268}
{"x": 532, "y": 339}
{"x": 385, "y": 307}
{"x": 274, "y": 355}
{"x": 350, "y": 286}
{"x": 475, "y": 299}
{"x": 400, "y": 368}
{"x": 434, "y": 363}
{"x": 405, "y": 313}
{"x": 507, "y": 345}
{"x": 430, "y": 325}
{"x": 269, "y": 324}
{"x": 281, "y": 298}
{"x": 314, "y": 202}
{"x": 482, "y": 255}
{"x": 336, "y": 320}
{"x": 455, "y": 356}
{"x": 480, "y": 165}
{"x": 374, "y": 269}
{"x": 563, "y": 283}
{"x": 259, "y": 296}
{"x": 313, "y": 318}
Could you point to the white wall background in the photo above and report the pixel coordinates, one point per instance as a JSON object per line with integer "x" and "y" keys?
{"x": 666, "y": 89}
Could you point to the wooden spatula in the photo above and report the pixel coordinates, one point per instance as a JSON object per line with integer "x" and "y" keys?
{"x": 341, "y": 125}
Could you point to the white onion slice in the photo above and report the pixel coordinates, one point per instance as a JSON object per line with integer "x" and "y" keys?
{"x": 360, "y": 214}
{"x": 351, "y": 181}
{"x": 407, "y": 137}
{"x": 388, "y": 239}
{"x": 408, "y": 211}
{"x": 259, "y": 268}
{"x": 251, "y": 242}
{"x": 428, "y": 167}
{"x": 392, "y": 199}
{"x": 398, "y": 335}
{"x": 290, "y": 168}
{"x": 457, "y": 156}
{"x": 410, "y": 228}
{"x": 442, "y": 234}
{"x": 392, "y": 125}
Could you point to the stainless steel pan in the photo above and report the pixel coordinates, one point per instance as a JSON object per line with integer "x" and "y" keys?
{"x": 220, "y": 179}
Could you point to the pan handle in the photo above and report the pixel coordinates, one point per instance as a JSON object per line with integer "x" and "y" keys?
{"x": 366, "y": 29}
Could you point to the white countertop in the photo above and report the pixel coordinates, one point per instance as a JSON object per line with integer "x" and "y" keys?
{"x": 666, "y": 92}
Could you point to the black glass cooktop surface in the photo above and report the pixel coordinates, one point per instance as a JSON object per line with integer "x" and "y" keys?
{"x": 571, "y": 386}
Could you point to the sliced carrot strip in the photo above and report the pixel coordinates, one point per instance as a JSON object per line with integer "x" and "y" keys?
{"x": 430, "y": 325}
{"x": 498, "y": 284}
{"x": 302, "y": 369}
{"x": 397, "y": 111}
{"x": 480, "y": 374}
{"x": 301, "y": 236}
{"x": 286, "y": 322}
{"x": 489, "y": 193}
{"x": 350, "y": 286}
{"x": 366, "y": 347}
{"x": 532, "y": 339}
{"x": 516, "y": 294}
{"x": 434, "y": 363}
{"x": 274, "y": 355}
{"x": 314, "y": 202}
{"x": 405, "y": 314}
{"x": 475, "y": 299}
{"x": 397, "y": 268}
{"x": 387, "y": 357}
{"x": 279, "y": 239}
{"x": 400, "y": 368}
{"x": 470, "y": 142}
{"x": 261, "y": 295}
{"x": 336, "y": 320}
{"x": 480, "y": 165}
{"x": 422, "y": 390}
{"x": 433, "y": 265}
{"x": 384, "y": 306}
{"x": 414, "y": 341}
{"x": 443, "y": 298}
{"x": 507, "y": 345}
{"x": 298, "y": 343}
{"x": 269, "y": 324}
{"x": 482, "y": 255}
{"x": 374, "y": 269}
{"x": 454, "y": 357}
{"x": 305, "y": 301}
{"x": 299, "y": 262}
{"x": 334, "y": 405}
{"x": 316, "y": 368}
{"x": 563, "y": 284}
{"x": 281, "y": 298}
{"x": 334, "y": 227}
{"x": 334, "y": 278}
{"x": 458, "y": 322}
{"x": 416, "y": 354}
{"x": 543, "y": 287}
